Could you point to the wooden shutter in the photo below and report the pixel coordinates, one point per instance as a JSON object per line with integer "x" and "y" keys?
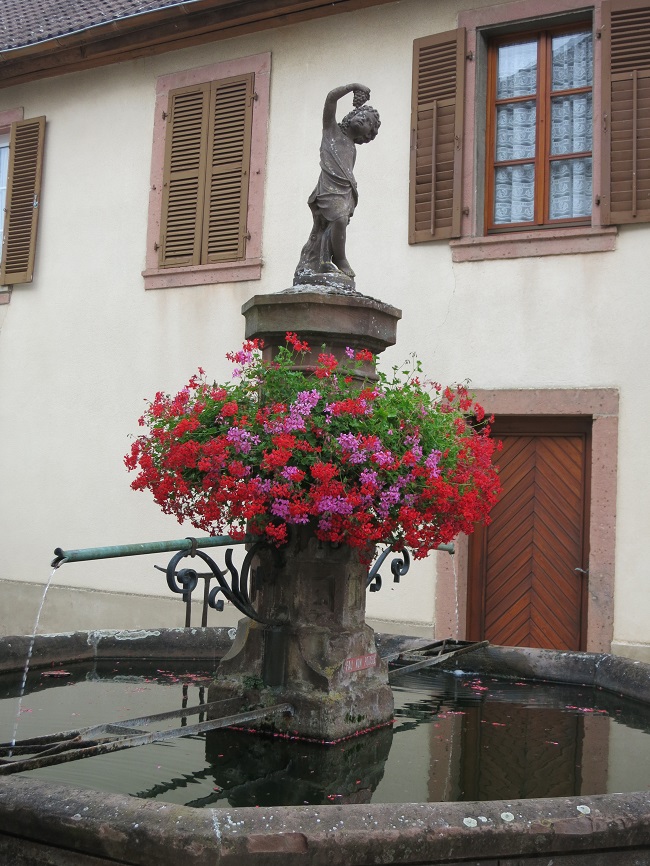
{"x": 626, "y": 112}
{"x": 184, "y": 176}
{"x": 23, "y": 199}
{"x": 206, "y": 174}
{"x": 436, "y": 136}
{"x": 229, "y": 147}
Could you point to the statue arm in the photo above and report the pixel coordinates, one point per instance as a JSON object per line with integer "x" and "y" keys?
{"x": 329, "y": 111}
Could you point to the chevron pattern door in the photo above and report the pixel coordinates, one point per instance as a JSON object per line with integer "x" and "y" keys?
{"x": 527, "y": 577}
{"x": 510, "y": 754}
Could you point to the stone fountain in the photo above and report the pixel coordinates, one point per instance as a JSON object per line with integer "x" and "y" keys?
{"x": 312, "y": 646}
{"x": 309, "y": 646}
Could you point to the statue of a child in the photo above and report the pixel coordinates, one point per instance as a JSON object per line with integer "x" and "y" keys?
{"x": 334, "y": 199}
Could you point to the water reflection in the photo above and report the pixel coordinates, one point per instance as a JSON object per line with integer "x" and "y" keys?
{"x": 460, "y": 737}
{"x": 296, "y": 773}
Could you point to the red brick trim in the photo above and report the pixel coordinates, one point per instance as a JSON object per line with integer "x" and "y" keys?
{"x": 601, "y": 404}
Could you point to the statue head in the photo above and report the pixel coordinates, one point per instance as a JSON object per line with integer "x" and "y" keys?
{"x": 361, "y": 124}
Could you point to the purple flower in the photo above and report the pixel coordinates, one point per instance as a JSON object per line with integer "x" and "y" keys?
{"x": 242, "y": 440}
{"x": 305, "y": 401}
{"x": 349, "y": 352}
{"x": 300, "y": 408}
{"x": 431, "y": 463}
{"x": 334, "y": 505}
{"x": 280, "y": 508}
{"x": 359, "y": 456}
{"x": 369, "y": 476}
{"x": 348, "y": 441}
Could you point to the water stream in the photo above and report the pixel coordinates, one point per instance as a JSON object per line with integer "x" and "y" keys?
{"x": 29, "y": 658}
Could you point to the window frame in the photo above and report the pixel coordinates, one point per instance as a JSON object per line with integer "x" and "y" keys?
{"x": 23, "y": 200}
{"x": 250, "y": 266}
{"x": 6, "y": 119}
{"x": 475, "y": 243}
{"x": 542, "y": 158}
{"x": 4, "y": 143}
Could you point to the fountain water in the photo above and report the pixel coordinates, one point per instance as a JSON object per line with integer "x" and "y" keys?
{"x": 41, "y": 821}
{"x": 28, "y": 659}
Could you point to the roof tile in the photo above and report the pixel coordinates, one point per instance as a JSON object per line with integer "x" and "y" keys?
{"x": 28, "y": 22}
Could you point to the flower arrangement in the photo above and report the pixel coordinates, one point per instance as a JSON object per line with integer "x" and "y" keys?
{"x": 395, "y": 461}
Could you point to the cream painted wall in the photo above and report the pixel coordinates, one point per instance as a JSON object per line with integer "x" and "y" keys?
{"x": 84, "y": 343}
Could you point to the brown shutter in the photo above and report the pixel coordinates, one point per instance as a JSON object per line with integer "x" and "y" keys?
{"x": 436, "y": 136}
{"x": 23, "y": 197}
{"x": 184, "y": 176}
{"x": 229, "y": 146}
{"x": 625, "y": 196}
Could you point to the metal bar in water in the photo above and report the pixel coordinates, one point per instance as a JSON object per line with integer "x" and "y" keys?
{"x": 434, "y": 660}
{"x": 435, "y": 648}
{"x": 88, "y": 553}
{"x": 94, "y": 731}
{"x": 141, "y": 740}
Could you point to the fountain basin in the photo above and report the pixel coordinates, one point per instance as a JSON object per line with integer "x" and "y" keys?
{"x": 56, "y": 824}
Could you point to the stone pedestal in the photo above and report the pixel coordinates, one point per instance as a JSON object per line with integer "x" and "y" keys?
{"x": 313, "y": 648}
{"x": 322, "y": 318}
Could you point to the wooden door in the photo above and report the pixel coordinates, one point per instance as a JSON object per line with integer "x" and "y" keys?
{"x": 527, "y": 569}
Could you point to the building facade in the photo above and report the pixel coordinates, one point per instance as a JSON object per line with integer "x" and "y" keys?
{"x": 157, "y": 170}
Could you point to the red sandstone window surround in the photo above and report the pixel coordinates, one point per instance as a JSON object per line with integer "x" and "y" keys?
{"x": 207, "y": 175}
{"x": 454, "y": 163}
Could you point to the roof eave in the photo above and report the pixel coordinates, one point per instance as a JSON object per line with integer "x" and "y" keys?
{"x": 168, "y": 29}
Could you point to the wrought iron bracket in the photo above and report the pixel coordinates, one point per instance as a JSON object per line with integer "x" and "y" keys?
{"x": 399, "y": 566}
{"x": 185, "y": 580}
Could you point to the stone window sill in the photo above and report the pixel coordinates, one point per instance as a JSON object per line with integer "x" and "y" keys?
{"x": 541, "y": 242}
{"x": 201, "y": 275}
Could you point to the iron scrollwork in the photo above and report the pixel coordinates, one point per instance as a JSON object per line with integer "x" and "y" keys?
{"x": 185, "y": 580}
{"x": 399, "y": 566}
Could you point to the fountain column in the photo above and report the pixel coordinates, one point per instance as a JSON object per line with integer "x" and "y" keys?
{"x": 313, "y": 648}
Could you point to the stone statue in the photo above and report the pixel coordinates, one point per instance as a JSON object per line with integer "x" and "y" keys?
{"x": 323, "y": 260}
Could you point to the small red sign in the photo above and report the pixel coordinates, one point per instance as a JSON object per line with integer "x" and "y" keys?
{"x": 361, "y": 663}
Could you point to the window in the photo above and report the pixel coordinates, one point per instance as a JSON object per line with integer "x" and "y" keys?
{"x": 207, "y": 175}
{"x": 539, "y": 129}
{"x": 4, "y": 172}
{"x": 21, "y": 161}
{"x": 532, "y": 139}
